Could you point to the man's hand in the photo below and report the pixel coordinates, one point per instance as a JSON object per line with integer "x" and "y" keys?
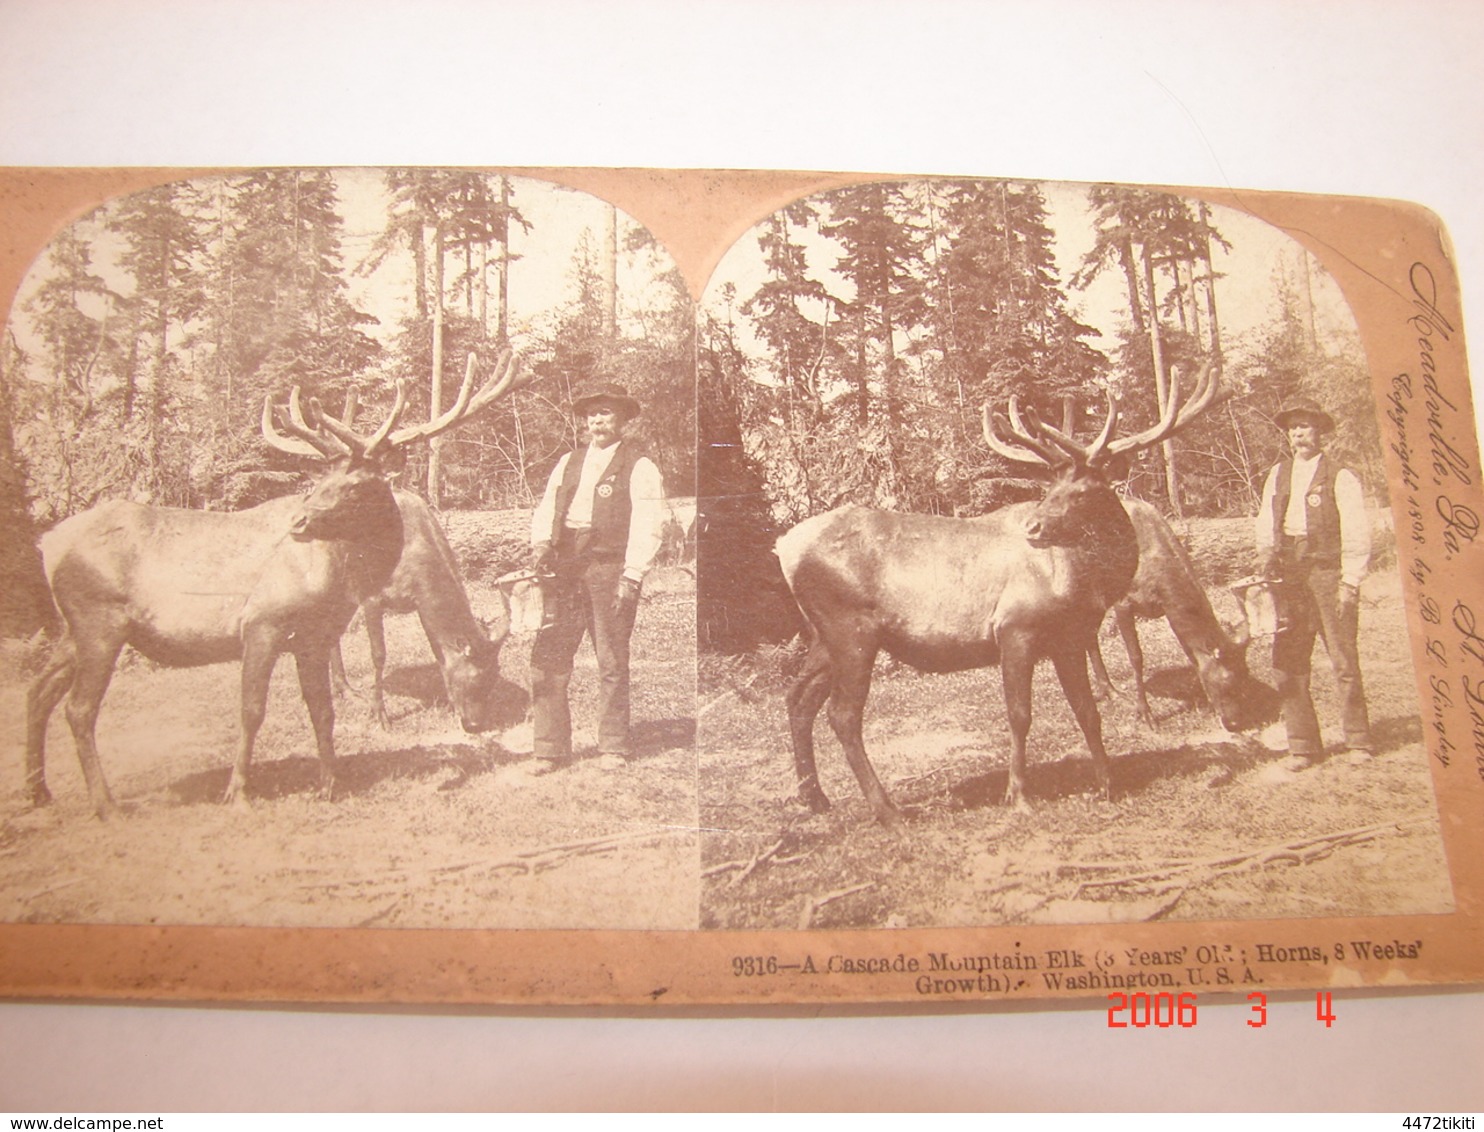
{"x": 627, "y": 598}
{"x": 1272, "y": 566}
{"x": 1349, "y": 599}
{"x": 545, "y": 564}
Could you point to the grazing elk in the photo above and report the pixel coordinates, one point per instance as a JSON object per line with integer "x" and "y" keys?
{"x": 1165, "y": 585}
{"x": 1030, "y": 581}
{"x": 426, "y": 582}
{"x": 187, "y": 588}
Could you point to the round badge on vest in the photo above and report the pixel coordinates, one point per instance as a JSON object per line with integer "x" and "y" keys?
{"x": 1313, "y": 500}
{"x": 606, "y": 489}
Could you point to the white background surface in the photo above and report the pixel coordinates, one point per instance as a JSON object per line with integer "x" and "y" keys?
{"x": 1364, "y": 98}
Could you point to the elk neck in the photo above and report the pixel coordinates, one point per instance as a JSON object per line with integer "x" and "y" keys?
{"x": 372, "y": 556}
{"x": 1083, "y": 516}
{"x": 1109, "y": 555}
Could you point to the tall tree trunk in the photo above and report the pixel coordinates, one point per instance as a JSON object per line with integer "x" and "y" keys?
{"x": 610, "y": 275}
{"x": 1211, "y": 319}
{"x": 420, "y": 271}
{"x": 1161, "y": 384}
{"x": 1131, "y": 279}
{"x": 468, "y": 274}
{"x": 1174, "y": 264}
{"x": 484, "y": 287}
{"x": 435, "y": 396}
{"x": 157, "y": 383}
{"x": 1195, "y": 306}
{"x": 1311, "y": 336}
{"x": 894, "y": 431}
{"x": 502, "y": 315}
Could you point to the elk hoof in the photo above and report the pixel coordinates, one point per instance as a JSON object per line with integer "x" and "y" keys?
{"x": 892, "y": 818}
{"x": 814, "y": 799}
{"x": 236, "y": 795}
{"x": 40, "y": 796}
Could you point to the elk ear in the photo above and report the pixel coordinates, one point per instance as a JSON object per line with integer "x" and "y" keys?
{"x": 1117, "y": 466}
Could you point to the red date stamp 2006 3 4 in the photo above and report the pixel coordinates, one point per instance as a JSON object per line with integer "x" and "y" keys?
{"x": 1164, "y": 1010}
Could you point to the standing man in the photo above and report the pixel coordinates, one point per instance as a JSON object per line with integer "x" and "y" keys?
{"x": 1314, "y": 542}
{"x": 595, "y": 534}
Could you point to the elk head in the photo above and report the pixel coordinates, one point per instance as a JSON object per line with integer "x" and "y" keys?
{"x": 1243, "y": 702}
{"x": 355, "y": 491}
{"x": 352, "y": 498}
{"x": 1079, "y": 500}
{"x": 352, "y": 502}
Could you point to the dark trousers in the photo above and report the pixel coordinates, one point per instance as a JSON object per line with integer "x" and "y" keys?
{"x": 1310, "y": 607}
{"x": 583, "y": 600}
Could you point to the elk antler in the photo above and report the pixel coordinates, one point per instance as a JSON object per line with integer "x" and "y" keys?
{"x": 333, "y": 436}
{"x": 1027, "y": 448}
{"x": 1176, "y": 415}
{"x": 1090, "y": 455}
{"x": 311, "y": 441}
{"x": 361, "y": 447}
{"x": 505, "y": 376}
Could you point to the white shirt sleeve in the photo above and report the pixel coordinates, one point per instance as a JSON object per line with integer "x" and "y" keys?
{"x": 646, "y": 519}
{"x": 1355, "y": 528}
{"x": 545, "y": 513}
{"x": 1264, "y": 527}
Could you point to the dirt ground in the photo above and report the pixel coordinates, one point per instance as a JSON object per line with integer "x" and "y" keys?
{"x": 1204, "y": 825}
{"x": 430, "y": 827}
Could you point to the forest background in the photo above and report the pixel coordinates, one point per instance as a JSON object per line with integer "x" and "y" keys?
{"x": 143, "y": 343}
{"x": 843, "y": 352}
{"x": 849, "y": 345}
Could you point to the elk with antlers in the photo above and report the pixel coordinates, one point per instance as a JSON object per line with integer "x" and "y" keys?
{"x": 1027, "y": 582}
{"x": 426, "y": 582}
{"x": 187, "y": 588}
{"x": 1166, "y": 585}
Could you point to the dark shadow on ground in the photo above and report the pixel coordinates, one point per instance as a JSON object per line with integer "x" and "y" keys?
{"x": 354, "y": 774}
{"x": 422, "y": 682}
{"x": 1138, "y": 770}
{"x": 651, "y": 736}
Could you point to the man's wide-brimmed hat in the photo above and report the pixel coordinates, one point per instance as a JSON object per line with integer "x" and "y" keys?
{"x": 606, "y": 393}
{"x": 1301, "y": 407}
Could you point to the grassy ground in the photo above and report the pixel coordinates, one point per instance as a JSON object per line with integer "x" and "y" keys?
{"x": 436, "y": 828}
{"x": 431, "y": 827}
{"x": 1185, "y": 792}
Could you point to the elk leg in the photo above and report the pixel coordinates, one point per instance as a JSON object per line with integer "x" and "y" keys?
{"x": 1017, "y": 667}
{"x": 91, "y": 675}
{"x": 1129, "y": 628}
{"x": 847, "y": 705}
{"x": 314, "y": 683}
{"x": 806, "y": 695}
{"x": 338, "y": 680}
{"x": 376, "y": 634}
{"x": 1071, "y": 669}
{"x": 259, "y": 654}
{"x": 41, "y": 700}
{"x": 1102, "y": 686}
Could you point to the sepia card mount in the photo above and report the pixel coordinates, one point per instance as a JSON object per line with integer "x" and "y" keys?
{"x": 448, "y": 869}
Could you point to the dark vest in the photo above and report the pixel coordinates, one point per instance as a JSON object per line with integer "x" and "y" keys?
{"x": 1321, "y": 511}
{"x": 612, "y": 506}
